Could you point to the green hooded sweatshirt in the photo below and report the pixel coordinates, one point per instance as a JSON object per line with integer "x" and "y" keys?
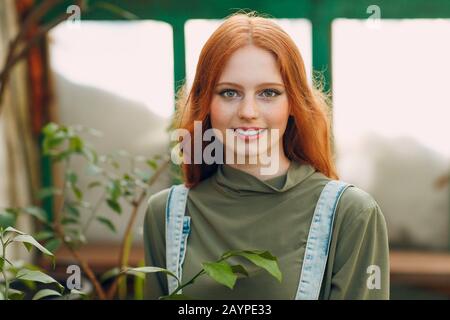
{"x": 234, "y": 210}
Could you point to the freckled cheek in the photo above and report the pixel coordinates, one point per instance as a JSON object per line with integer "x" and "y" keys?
{"x": 221, "y": 115}
{"x": 277, "y": 116}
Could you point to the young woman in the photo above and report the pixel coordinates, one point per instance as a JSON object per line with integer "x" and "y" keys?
{"x": 329, "y": 237}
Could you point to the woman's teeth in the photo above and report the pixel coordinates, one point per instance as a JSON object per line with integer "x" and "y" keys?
{"x": 249, "y": 133}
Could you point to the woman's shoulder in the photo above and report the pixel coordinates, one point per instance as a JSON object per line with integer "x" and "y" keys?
{"x": 357, "y": 206}
{"x": 355, "y": 203}
{"x": 156, "y": 206}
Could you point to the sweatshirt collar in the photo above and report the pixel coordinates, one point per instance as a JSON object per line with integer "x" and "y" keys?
{"x": 242, "y": 182}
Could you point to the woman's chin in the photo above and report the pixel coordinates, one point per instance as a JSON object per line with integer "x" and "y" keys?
{"x": 250, "y": 154}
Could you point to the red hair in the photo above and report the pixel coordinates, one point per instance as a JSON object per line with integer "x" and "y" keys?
{"x": 307, "y": 138}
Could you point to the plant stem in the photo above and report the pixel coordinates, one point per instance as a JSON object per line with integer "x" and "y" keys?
{"x": 195, "y": 277}
{"x": 60, "y": 232}
{"x": 84, "y": 265}
{"x": 90, "y": 274}
{"x": 58, "y": 213}
{"x": 3, "y": 269}
{"x": 189, "y": 282}
{"x": 126, "y": 242}
{"x": 94, "y": 211}
{"x": 123, "y": 262}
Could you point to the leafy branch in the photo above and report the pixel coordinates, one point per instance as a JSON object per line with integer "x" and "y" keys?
{"x": 20, "y": 273}
{"x": 221, "y": 270}
{"x": 117, "y": 185}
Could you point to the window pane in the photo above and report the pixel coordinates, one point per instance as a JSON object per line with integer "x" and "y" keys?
{"x": 391, "y": 120}
{"x": 116, "y": 77}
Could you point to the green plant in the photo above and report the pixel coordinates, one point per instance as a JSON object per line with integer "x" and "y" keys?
{"x": 221, "y": 271}
{"x": 29, "y": 274}
{"x": 116, "y": 185}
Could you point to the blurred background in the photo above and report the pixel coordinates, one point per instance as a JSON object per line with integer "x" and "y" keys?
{"x": 105, "y": 73}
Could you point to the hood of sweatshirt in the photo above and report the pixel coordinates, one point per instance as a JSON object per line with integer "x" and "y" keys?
{"x": 238, "y": 181}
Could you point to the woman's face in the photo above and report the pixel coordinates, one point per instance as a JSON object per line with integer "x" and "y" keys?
{"x": 250, "y": 100}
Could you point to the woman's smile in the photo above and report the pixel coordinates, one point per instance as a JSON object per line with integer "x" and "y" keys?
{"x": 249, "y": 133}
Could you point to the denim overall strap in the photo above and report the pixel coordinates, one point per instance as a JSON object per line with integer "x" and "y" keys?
{"x": 319, "y": 238}
{"x": 177, "y": 231}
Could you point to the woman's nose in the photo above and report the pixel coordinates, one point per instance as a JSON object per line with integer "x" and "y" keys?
{"x": 248, "y": 109}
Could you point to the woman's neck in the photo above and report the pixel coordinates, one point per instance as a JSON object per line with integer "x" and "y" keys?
{"x": 258, "y": 171}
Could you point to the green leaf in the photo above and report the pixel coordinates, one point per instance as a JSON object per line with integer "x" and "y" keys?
{"x": 44, "y": 235}
{"x": 69, "y": 220}
{"x": 114, "y": 189}
{"x": 36, "y": 276}
{"x": 114, "y": 205}
{"x": 50, "y": 128}
{"x": 152, "y": 164}
{"x": 27, "y": 239}
{"x": 115, "y": 164}
{"x": 46, "y": 293}
{"x": 108, "y": 223}
{"x": 14, "y": 211}
{"x": 53, "y": 136}
{"x": 53, "y": 244}
{"x": 221, "y": 272}
{"x": 37, "y": 212}
{"x": 48, "y": 192}
{"x": 11, "y": 229}
{"x": 90, "y": 154}
{"x": 150, "y": 270}
{"x": 77, "y": 192}
{"x": 62, "y": 155}
{"x": 93, "y": 170}
{"x": 55, "y": 141}
{"x": 239, "y": 269}
{"x": 76, "y": 144}
{"x": 2, "y": 263}
{"x": 94, "y": 184}
{"x": 110, "y": 274}
{"x": 14, "y": 294}
{"x": 72, "y": 210}
{"x": 71, "y": 176}
{"x": 78, "y": 292}
{"x": 75, "y": 235}
{"x": 262, "y": 259}
{"x": 7, "y": 218}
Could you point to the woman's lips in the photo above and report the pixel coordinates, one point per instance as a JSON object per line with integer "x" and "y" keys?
{"x": 247, "y": 134}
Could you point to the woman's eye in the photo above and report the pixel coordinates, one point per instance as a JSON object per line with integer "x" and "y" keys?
{"x": 270, "y": 93}
{"x": 228, "y": 93}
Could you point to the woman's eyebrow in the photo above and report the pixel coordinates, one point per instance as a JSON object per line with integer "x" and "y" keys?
{"x": 260, "y": 85}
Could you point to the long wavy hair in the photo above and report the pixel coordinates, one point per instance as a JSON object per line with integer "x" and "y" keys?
{"x": 307, "y": 138}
